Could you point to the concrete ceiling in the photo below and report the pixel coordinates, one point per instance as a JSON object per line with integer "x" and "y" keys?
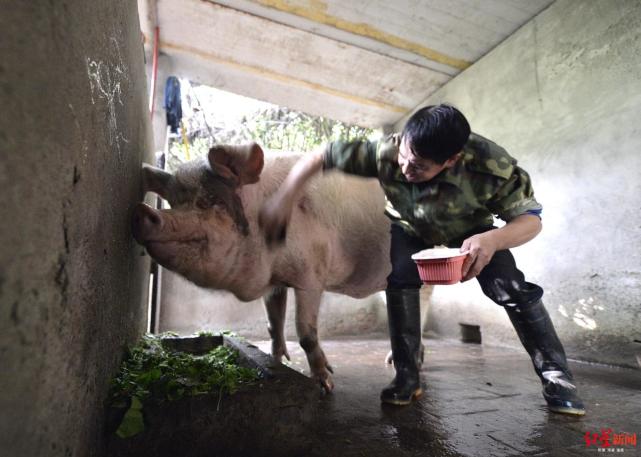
{"x": 364, "y": 62}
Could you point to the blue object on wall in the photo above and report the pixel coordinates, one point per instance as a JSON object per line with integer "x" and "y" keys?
{"x": 173, "y": 106}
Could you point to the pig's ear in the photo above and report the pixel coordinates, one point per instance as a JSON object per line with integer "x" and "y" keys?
{"x": 241, "y": 163}
{"x": 156, "y": 180}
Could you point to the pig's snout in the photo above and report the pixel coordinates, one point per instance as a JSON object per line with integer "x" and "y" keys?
{"x": 146, "y": 223}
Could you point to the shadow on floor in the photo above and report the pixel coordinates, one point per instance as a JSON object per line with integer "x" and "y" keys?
{"x": 478, "y": 401}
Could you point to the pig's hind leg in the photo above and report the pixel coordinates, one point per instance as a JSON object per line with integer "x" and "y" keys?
{"x": 275, "y": 306}
{"x": 307, "y": 305}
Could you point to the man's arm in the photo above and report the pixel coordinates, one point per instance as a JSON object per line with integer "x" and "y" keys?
{"x": 482, "y": 246}
{"x": 352, "y": 157}
{"x": 277, "y": 209}
{"x": 513, "y": 202}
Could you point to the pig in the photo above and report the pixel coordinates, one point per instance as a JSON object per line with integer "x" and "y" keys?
{"x": 337, "y": 240}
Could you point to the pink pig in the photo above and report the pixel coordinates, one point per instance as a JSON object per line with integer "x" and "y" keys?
{"x": 337, "y": 240}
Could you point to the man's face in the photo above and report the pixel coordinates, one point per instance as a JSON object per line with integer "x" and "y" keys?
{"x": 418, "y": 169}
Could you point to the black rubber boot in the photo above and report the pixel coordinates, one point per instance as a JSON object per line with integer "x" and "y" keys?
{"x": 404, "y": 318}
{"x": 536, "y": 331}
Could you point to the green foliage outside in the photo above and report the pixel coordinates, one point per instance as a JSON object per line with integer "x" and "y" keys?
{"x": 273, "y": 128}
{"x": 150, "y": 373}
{"x": 282, "y": 129}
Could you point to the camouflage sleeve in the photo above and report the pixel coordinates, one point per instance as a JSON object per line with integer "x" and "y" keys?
{"x": 354, "y": 157}
{"x": 515, "y": 197}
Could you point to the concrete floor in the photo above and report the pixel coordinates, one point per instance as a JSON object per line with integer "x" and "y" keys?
{"x": 478, "y": 401}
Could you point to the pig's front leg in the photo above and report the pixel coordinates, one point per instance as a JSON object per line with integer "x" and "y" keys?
{"x": 275, "y": 306}
{"x": 307, "y": 304}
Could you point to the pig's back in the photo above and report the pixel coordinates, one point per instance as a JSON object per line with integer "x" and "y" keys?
{"x": 355, "y": 207}
{"x": 346, "y": 214}
{"x": 343, "y": 213}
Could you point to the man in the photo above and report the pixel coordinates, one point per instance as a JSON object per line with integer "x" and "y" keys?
{"x": 443, "y": 184}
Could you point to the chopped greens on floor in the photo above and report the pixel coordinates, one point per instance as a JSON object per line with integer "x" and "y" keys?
{"x": 153, "y": 373}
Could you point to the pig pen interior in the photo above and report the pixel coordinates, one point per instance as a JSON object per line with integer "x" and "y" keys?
{"x": 562, "y": 101}
{"x": 560, "y": 94}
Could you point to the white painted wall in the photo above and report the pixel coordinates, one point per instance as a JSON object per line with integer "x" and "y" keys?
{"x": 437, "y": 34}
{"x": 563, "y": 95}
{"x": 364, "y": 62}
{"x": 187, "y": 308}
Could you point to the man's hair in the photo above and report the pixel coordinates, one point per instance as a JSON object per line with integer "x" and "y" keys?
{"x": 436, "y": 132}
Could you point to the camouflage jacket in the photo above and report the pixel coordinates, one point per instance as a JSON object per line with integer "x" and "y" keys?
{"x": 484, "y": 182}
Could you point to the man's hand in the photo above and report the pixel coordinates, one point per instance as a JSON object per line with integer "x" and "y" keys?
{"x": 273, "y": 219}
{"x": 275, "y": 213}
{"x": 481, "y": 249}
{"x": 482, "y": 246}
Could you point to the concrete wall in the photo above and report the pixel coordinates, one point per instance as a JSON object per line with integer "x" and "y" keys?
{"x": 186, "y": 308}
{"x": 562, "y": 95}
{"x": 294, "y": 53}
{"x": 73, "y": 130}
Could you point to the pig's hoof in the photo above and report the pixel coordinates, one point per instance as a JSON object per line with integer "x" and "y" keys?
{"x": 325, "y": 380}
{"x": 278, "y": 354}
{"x": 389, "y": 359}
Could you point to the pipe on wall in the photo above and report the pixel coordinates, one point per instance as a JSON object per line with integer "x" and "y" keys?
{"x": 154, "y": 71}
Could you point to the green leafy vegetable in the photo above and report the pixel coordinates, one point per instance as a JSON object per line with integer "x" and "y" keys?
{"x": 132, "y": 422}
{"x": 150, "y": 373}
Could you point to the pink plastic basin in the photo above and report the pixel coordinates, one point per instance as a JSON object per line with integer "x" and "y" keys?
{"x": 440, "y": 266}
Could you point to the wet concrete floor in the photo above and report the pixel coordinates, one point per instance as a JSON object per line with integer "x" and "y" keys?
{"x": 478, "y": 401}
